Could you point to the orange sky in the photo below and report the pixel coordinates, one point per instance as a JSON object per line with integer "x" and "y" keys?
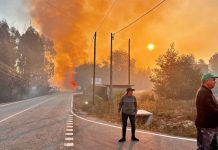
{"x": 190, "y": 24}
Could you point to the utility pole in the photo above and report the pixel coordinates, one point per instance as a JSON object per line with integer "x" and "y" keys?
{"x": 129, "y": 63}
{"x": 94, "y": 64}
{"x": 111, "y": 69}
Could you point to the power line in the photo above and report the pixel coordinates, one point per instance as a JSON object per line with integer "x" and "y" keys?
{"x": 61, "y": 11}
{"x": 101, "y": 22}
{"x": 4, "y": 68}
{"x": 8, "y": 69}
{"x": 12, "y": 75}
{"x": 105, "y": 15}
{"x": 153, "y": 8}
{"x": 69, "y": 15}
{"x": 91, "y": 42}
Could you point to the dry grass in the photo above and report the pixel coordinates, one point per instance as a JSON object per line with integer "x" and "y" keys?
{"x": 174, "y": 117}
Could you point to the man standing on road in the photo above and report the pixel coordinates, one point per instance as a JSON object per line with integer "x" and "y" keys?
{"x": 128, "y": 107}
{"x": 207, "y": 114}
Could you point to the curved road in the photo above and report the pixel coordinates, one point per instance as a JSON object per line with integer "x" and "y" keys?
{"x": 47, "y": 123}
{"x": 95, "y": 135}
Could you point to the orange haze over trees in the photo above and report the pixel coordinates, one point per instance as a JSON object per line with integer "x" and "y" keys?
{"x": 71, "y": 25}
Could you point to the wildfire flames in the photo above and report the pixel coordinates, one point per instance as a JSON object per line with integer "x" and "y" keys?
{"x": 72, "y": 23}
{"x": 74, "y": 85}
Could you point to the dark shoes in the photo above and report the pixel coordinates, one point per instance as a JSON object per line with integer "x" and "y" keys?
{"x": 135, "y": 139}
{"x": 122, "y": 140}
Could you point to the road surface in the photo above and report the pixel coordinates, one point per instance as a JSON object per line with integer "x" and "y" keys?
{"x": 47, "y": 123}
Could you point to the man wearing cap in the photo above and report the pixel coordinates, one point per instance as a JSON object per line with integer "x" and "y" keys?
{"x": 128, "y": 107}
{"x": 207, "y": 114}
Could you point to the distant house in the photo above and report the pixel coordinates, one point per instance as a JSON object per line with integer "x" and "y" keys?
{"x": 117, "y": 89}
{"x": 102, "y": 91}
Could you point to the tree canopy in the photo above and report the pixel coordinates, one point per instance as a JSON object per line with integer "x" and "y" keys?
{"x": 176, "y": 76}
{"x": 25, "y": 63}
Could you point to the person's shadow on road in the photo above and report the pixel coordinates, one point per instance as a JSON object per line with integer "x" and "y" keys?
{"x": 131, "y": 145}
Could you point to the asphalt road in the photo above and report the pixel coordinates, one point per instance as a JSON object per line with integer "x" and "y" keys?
{"x": 35, "y": 124}
{"x": 47, "y": 123}
{"x": 93, "y": 134}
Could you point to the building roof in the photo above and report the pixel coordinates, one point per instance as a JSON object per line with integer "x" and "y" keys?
{"x": 119, "y": 85}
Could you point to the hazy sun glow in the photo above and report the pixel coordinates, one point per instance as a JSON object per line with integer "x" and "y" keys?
{"x": 150, "y": 46}
{"x": 62, "y": 18}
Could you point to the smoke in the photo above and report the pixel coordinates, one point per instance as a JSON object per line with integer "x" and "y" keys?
{"x": 72, "y": 23}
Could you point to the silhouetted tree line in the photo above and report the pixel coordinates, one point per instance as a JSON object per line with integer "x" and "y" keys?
{"x": 213, "y": 65}
{"x": 24, "y": 68}
{"x": 178, "y": 76}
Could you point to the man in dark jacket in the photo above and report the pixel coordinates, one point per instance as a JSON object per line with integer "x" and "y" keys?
{"x": 207, "y": 114}
{"x": 128, "y": 106}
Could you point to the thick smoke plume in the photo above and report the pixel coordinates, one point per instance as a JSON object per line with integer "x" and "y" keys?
{"x": 72, "y": 23}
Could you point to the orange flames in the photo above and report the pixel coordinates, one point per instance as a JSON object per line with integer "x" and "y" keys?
{"x": 72, "y": 23}
{"x": 74, "y": 85}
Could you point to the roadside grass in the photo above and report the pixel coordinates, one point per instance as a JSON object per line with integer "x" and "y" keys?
{"x": 173, "y": 117}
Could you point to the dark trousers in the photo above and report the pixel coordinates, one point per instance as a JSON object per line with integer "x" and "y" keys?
{"x": 207, "y": 138}
{"x": 124, "y": 122}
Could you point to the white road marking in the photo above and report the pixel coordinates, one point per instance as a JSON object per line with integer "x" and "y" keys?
{"x": 69, "y": 130}
{"x": 68, "y": 133}
{"x": 23, "y": 111}
{"x": 32, "y": 99}
{"x": 69, "y": 139}
{"x": 13, "y": 103}
{"x": 139, "y": 131}
{"x": 68, "y": 144}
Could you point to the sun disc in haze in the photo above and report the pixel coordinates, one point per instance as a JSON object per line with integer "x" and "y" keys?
{"x": 150, "y": 46}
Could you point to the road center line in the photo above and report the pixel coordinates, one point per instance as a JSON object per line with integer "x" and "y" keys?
{"x": 69, "y": 139}
{"x": 32, "y": 99}
{"x": 69, "y": 134}
{"x": 69, "y": 130}
{"x": 68, "y": 144}
{"x": 24, "y": 110}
